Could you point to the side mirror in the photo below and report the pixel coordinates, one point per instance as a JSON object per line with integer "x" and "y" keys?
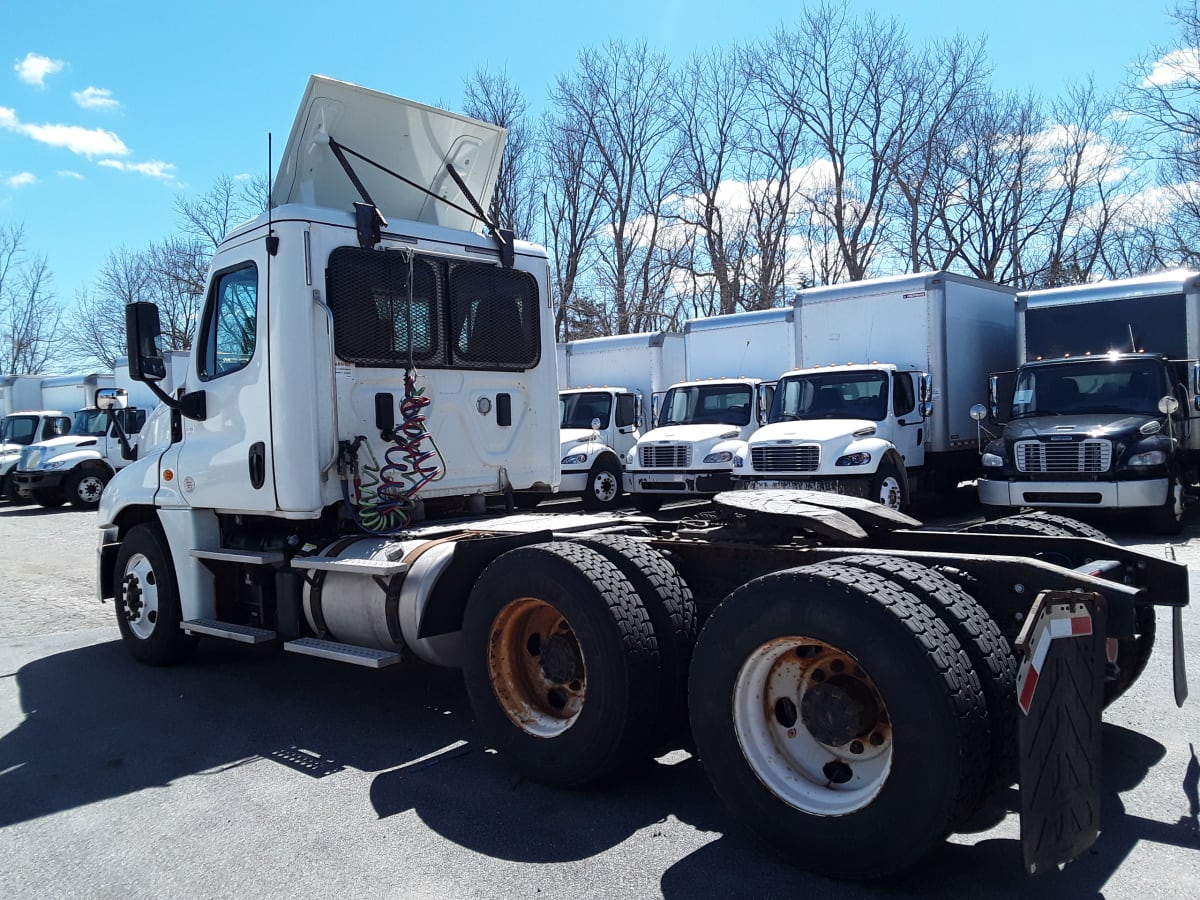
{"x": 1168, "y": 405}
{"x": 143, "y": 339}
{"x": 993, "y": 409}
{"x": 110, "y": 398}
{"x": 979, "y": 412}
{"x": 925, "y": 390}
{"x": 595, "y": 424}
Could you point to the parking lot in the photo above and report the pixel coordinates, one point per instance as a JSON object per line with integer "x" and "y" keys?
{"x": 256, "y": 773}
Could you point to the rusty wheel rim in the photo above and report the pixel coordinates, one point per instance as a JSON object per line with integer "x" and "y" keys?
{"x": 536, "y": 667}
{"x": 812, "y": 726}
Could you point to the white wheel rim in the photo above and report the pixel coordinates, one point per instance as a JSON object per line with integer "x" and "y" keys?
{"x": 139, "y": 596}
{"x": 90, "y": 488}
{"x": 889, "y": 492}
{"x": 772, "y": 722}
{"x": 605, "y": 486}
{"x": 542, "y": 696}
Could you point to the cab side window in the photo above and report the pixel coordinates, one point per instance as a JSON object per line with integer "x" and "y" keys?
{"x": 904, "y": 399}
{"x": 626, "y": 410}
{"x": 228, "y": 337}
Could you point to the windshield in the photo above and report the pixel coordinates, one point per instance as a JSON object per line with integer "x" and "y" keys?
{"x": 707, "y": 404}
{"x": 1128, "y": 386}
{"x": 831, "y": 395}
{"x": 90, "y": 423}
{"x": 18, "y": 429}
{"x": 578, "y": 410}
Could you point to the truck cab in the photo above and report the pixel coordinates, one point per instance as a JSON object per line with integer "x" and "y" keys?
{"x": 1106, "y": 431}
{"x": 17, "y": 431}
{"x": 848, "y": 429}
{"x": 701, "y": 425}
{"x": 597, "y": 429}
{"x": 76, "y": 466}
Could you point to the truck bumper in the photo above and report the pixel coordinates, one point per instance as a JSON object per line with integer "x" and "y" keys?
{"x": 850, "y": 487}
{"x": 678, "y": 482}
{"x": 27, "y": 482}
{"x": 1077, "y": 494}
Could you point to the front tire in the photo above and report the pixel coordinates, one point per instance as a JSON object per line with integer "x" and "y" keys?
{"x": 84, "y": 488}
{"x": 560, "y": 663}
{"x": 1168, "y": 519}
{"x": 147, "y": 600}
{"x": 9, "y": 489}
{"x": 828, "y": 706}
{"x": 889, "y": 486}
{"x": 603, "y": 491}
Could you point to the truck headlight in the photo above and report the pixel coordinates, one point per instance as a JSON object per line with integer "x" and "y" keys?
{"x": 575, "y": 459}
{"x": 854, "y": 459}
{"x": 992, "y": 461}
{"x": 52, "y": 465}
{"x": 723, "y": 457}
{"x": 1148, "y": 458}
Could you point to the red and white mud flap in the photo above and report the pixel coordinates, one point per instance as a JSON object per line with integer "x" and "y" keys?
{"x": 1060, "y": 690}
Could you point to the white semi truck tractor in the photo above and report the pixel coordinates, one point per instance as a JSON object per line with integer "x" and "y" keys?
{"x": 369, "y": 369}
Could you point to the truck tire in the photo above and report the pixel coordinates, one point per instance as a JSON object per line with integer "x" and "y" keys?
{"x": 1020, "y": 524}
{"x": 647, "y": 503}
{"x": 603, "y": 491}
{"x": 147, "y": 600}
{"x": 889, "y": 486}
{"x": 84, "y": 488}
{"x": 48, "y": 497}
{"x": 8, "y": 487}
{"x": 991, "y": 656}
{"x": 1167, "y": 519}
{"x": 560, "y": 663}
{"x": 801, "y": 683}
{"x": 1065, "y": 524}
{"x": 672, "y": 610}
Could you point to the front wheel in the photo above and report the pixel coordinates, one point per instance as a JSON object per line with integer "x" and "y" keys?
{"x": 1168, "y": 518}
{"x": 827, "y": 705}
{"x": 8, "y": 487}
{"x": 147, "y": 599}
{"x": 603, "y": 491}
{"x": 85, "y": 487}
{"x": 889, "y": 487}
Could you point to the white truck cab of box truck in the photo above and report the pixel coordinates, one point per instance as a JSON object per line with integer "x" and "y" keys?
{"x": 600, "y": 422}
{"x": 17, "y": 431}
{"x": 731, "y": 363}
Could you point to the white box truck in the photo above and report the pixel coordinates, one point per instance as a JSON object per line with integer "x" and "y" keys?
{"x": 880, "y": 399}
{"x": 1103, "y": 413}
{"x": 20, "y": 392}
{"x": 732, "y": 362}
{"x": 102, "y": 438}
{"x": 611, "y": 385}
{"x": 373, "y": 353}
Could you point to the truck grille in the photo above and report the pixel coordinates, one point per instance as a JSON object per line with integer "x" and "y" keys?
{"x": 665, "y": 456}
{"x": 805, "y": 458}
{"x": 1076, "y": 456}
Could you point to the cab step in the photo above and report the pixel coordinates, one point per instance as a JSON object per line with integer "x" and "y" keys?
{"x": 249, "y": 557}
{"x": 381, "y": 567}
{"x": 245, "y": 634}
{"x": 349, "y": 653}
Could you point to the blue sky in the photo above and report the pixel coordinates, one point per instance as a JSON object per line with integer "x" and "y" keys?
{"x": 111, "y": 108}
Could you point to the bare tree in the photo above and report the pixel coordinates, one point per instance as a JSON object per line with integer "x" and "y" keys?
{"x": 619, "y": 100}
{"x": 29, "y": 314}
{"x": 228, "y": 203}
{"x": 495, "y": 98}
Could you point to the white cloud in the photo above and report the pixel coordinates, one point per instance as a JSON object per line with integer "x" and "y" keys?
{"x": 244, "y": 176}
{"x": 1174, "y": 67}
{"x": 23, "y": 179}
{"x": 84, "y": 141}
{"x": 67, "y": 173}
{"x": 34, "y": 68}
{"x": 95, "y": 98}
{"x": 164, "y": 171}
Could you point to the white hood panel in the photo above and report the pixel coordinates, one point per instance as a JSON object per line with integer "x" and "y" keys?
{"x": 409, "y": 138}
{"x": 816, "y": 430}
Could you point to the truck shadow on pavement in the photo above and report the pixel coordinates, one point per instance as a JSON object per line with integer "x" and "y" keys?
{"x": 98, "y": 725}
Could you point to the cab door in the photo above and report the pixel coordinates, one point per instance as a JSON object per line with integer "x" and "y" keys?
{"x": 910, "y": 428}
{"x": 224, "y": 461}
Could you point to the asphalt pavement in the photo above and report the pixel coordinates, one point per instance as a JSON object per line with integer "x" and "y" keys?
{"x": 253, "y": 773}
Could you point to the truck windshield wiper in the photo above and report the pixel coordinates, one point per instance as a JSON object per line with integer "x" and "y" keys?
{"x": 1036, "y": 412}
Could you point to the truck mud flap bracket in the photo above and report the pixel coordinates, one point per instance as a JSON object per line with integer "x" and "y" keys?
{"x": 1060, "y": 688}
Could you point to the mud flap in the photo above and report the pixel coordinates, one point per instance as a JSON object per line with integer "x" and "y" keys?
{"x": 1060, "y": 689}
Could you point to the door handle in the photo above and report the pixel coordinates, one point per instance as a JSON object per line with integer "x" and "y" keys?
{"x": 258, "y": 465}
